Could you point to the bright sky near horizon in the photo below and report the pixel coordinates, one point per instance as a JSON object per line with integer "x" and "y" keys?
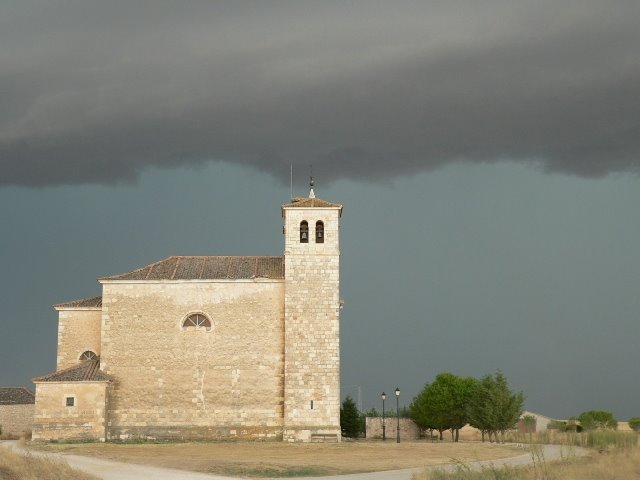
{"x": 486, "y": 154}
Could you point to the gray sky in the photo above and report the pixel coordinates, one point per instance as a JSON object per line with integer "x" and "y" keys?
{"x": 487, "y": 154}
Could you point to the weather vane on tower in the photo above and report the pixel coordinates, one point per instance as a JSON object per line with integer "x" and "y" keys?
{"x": 311, "y": 194}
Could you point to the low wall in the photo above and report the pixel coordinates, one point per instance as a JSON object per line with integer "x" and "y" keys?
{"x": 16, "y": 419}
{"x": 408, "y": 429}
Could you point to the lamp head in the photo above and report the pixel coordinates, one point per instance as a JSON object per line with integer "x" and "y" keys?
{"x": 397, "y": 392}
{"x": 384, "y": 395}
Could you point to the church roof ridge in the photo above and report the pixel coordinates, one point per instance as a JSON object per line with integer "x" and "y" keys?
{"x": 206, "y": 267}
{"x": 87, "y": 371}
{"x": 92, "y": 302}
{"x": 16, "y": 396}
{"x": 311, "y": 202}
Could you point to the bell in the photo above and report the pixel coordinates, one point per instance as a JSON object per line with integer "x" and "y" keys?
{"x": 303, "y": 235}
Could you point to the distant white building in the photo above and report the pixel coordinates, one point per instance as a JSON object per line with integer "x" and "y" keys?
{"x": 542, "y": 422}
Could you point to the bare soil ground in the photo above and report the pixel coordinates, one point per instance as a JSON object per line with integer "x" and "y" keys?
{"x": 282, "y": 459}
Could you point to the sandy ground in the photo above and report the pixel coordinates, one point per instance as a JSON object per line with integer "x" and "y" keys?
{"x": 161, "y": 455}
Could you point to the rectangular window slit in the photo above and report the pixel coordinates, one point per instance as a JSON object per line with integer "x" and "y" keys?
{"x": 70, "y": 401}
{"x": 311, "y": 404}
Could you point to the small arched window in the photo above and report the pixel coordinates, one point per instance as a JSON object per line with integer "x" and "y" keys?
{"x": 88, "y": 355}
{"x": 304, "y": 232}
{"x": 197, "y": 321}
{"x": 319, "y": 232}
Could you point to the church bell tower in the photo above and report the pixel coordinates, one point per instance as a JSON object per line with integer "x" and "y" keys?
{"x": 312, "y": 319}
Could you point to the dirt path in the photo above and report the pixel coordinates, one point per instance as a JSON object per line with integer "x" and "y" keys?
{"x": 113, "y": 470}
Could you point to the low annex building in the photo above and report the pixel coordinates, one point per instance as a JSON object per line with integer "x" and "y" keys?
{"x": 16, "y": 410}
{"x": 206, "y": 346}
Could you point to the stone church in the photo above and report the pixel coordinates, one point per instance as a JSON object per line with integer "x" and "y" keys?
{"x": 206, "y": 347}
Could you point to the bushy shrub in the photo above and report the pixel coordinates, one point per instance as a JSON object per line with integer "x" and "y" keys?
{"x": 598, "y": 419}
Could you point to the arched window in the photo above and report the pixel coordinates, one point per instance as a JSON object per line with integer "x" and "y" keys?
{"x": 88, "y": 355}
{"x": 197, "y": 321}
{"x": 319, "y": 232}
{"x": 304, "y": 232}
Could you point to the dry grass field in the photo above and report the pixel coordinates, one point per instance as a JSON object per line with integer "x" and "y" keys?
{"x": 14, "y": 466}
{"x": 282, "y": 459}
{"x": 615, "y": 465}
{"x": 613, "y": 455}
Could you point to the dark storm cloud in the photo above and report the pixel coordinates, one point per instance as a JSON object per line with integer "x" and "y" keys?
{"x": 96, "y": 92}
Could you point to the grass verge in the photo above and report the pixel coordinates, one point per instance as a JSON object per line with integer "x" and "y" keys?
{"x": 619, "y": 460}
{"x": 15, "y": 466}
{"x": 598, "y": 439}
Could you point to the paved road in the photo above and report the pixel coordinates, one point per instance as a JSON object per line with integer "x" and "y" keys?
{"x": 110, "y": 470}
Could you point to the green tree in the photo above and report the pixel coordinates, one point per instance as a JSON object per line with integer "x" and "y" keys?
{"x": 508, "y": 405}
{"x": 372, "y": 412}
{"x": 634, "y": 424}
{"x": 442, "y": 405}
{"x": 480, "y": 410}
{"x": 598, "y": 420}
{"x": 529, "y": 422}
{"x": 423, "y": 411}
{"x": 493, "y": 407}
{"x": 350, "y": 422}
{"x": 417, "y": 409}
{"x": 463, "y": 389}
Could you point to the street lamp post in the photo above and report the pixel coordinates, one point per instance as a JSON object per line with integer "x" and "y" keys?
{"x": 384, "y": 435}
{"x": 398, "y": 414}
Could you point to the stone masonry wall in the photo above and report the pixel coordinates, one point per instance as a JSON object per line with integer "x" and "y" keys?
{"x": 172, "y": 382}
{"x": 53, "y": 419}
{"x": 408, "y": 429}
{"x": 16, "y": 419}
{"x": 78, "y": 331}
{"x": 312, "y": 331}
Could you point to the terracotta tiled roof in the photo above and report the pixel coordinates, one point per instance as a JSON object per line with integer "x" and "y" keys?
{"x": 87, "y": 371}
{"x": 207, "y": 268}
{"x": 311, "y": 203}
{"x": 16, "y": 396}
{"x": 93, "y": 302}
